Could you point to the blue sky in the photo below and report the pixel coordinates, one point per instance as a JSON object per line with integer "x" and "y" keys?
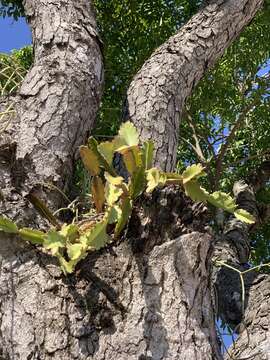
{"x": 13, "y": 34}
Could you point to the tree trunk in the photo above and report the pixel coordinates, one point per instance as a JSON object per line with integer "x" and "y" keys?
{"x": 61, "y": 93}
{"x": 56, "y": 107}
{"x": 147, "y": 297}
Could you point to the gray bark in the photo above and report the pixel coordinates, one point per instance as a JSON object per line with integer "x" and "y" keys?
{"x": 55, "y": 108}
{"x": 158, "y": 92}
{"x": 56, "y": 105}
{"x": 155, "y": 101}
{"x": 233, "y": 248}
{"x": 149, "y": 296}
{"x": 253, "y": 341}
{"x": 61, "y": 93}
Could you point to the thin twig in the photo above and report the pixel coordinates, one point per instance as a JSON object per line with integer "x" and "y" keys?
{"x": 264, "y": 153}
{"x": 218, "y": 139}
{"x": 197, "y": 148}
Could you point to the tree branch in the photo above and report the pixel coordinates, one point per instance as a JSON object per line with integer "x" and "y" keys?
{"x": 197, "y": 148}
{"x": 157, "y": 94}
{"x": 265, "y": 153}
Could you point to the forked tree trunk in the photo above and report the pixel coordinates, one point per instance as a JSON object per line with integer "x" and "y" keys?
{"x": 147, "y": 297}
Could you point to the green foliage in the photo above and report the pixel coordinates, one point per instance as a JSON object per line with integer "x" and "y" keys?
{"x": 71, "y": 242}
{"x": 13, "y": 69}
{"x": 13, "y": 8}
{"x": 155, "y": 178}
{"x": 90, "y": 160}
{"x": 148, "y": 151}
{"x": 98, "y": 193}
{"x": 224, "y": 93}
{"x": 192, "y": 172}
{"x": 260, "y": 245}
{"x": 244, "y": 216}
{"x": 126, "y": 209}
{"x": 131, "y": 30}
{"x": 193, "y": 189}
{"x": 196, "y": 192}
{"x": 127, "y": 137}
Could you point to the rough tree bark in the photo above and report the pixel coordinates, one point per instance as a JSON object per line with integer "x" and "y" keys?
{"x": 147, "y": 297}
{"x": 233, "y": 248}
{"x": 57, "y": 102}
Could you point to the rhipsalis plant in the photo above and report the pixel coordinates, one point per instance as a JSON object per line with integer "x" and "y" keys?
{"x": 13, "y": 68}
{"x": 114, "y": 197}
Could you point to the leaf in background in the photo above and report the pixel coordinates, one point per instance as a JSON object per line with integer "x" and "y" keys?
{"x": 126, "y": 207}
{"x": 90, "y": 160}
{"x": 112, "y": 193}
{"x": 33, "y": 236}
{"x": 54, "y": 241}
{"x": 223, "y": 201}
{"x": 98, "y": 237}
{"x": 154, "y": 178}
{"x": 107, "y": 149}
{"x": 147, "y": 154}
{"x": 8, "y": 226}
{"x": 128, "y": 134}
{"x": 195, "y": 191}
{"x": 244, "y": 216}
{"x": 98, "y": 193}
{"x": 192, "y": 172}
